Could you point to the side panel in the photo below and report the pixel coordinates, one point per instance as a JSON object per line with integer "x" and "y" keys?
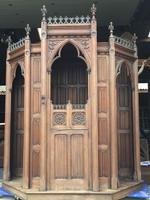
{"x": 17, "y": 131}
{"x": 103, "y": 122}
{"x": 35, "y": 120}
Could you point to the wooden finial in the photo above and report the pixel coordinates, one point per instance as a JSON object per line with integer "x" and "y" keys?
{"x": 93, "y": 11}
{"x": 111, "y": 29}
{"x": 44, "y": 12}
{"x": 134, "y": 38}
{"x": 28, "y": 30}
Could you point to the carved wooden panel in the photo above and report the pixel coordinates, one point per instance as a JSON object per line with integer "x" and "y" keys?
{"x": 61, "y": 156}
{"x": 103, "y": 101}
{"x": 35, "y": 119}
{"x": 125, "y": 131}
{"x": 36, "y": 131}
{"x": 103, "y": 126}
{"x": 77, "y": 156}
{"x": 70, "y": 116}
{"x": 36, "y": 100}
{"x": 68, "y": 159}
{"x": 35, "y": 163}
{"x": 36, "y": 70}
{"x": 102, "y": 69}
{"x": 103, "y": 121}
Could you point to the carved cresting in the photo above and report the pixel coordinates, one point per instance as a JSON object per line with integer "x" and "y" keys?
{"x": 17, "y": 45}
{"x": 73, "y": 24}
{"x": 9, "y": 41}
{"x": 121, "y": 41}
{"x": 69, "y": 116}
{"x": 124, "y": 43}
{"x": 69, "y": 20}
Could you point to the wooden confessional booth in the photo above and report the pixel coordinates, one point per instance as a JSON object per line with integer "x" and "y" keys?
{"x": 72, "y": 124}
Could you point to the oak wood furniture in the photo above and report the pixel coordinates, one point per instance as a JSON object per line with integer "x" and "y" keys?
{"x": 72, "y": 124}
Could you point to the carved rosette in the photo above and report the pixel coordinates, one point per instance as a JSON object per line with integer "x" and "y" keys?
{"x": 78, "y": 118}
{"x": 59, "y": 119}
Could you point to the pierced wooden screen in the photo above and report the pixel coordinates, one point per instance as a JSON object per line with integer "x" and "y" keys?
{"x": 69, "y": 78}
{"x": 125, "y": 131}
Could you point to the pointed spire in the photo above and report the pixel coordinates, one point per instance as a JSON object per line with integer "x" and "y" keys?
{"x": 93, "y": 11}
{"x": 111, "y": 29}
{"x": 28, "y": 30}
{"x": 44, "y": 12}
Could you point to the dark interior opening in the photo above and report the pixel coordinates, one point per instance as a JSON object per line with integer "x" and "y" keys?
{"x": 17, "y": 125}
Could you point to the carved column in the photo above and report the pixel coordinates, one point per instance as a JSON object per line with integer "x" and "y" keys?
{"x": 6, "y": 175}
{"x": 137, "y": 174}
{"x": 113, "y": 110}
{"x": 27, "y": 118}
{"x": 43, "y": 100}
{"x": 94, "y": 104}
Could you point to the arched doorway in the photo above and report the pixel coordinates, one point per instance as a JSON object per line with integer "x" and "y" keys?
{"x": 69, "y": 134}
{"x": 125, "y": 124}
{"x": 17, "y": 125}
{"x": 69, "y": 78}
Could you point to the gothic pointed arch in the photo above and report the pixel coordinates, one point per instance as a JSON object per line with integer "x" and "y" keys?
{"x": 69, "y": 76}
{"x": 125, "y": 123}
{"x": 82, "y": 47}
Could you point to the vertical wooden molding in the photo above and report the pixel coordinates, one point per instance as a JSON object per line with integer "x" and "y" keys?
{"x": 94, "y": 105}
{"x": 43, "y": 157}
{"x": 6, "y": 174}
{"x": 113, "y": 114}
{"x": 137, "y": 175}
{"x": 27, "y": 117}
